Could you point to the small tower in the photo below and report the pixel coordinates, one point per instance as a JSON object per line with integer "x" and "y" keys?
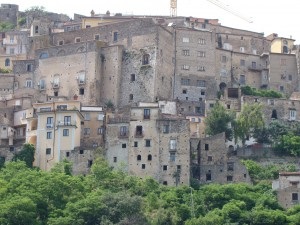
{"x": 173, "y": 8}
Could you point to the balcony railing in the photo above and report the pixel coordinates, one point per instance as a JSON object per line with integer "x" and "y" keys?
{"x": 66, "y": 123}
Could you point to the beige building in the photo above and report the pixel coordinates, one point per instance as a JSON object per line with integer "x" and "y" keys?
{"x": 288, "y": 189}
{"x": 57, "y": 133}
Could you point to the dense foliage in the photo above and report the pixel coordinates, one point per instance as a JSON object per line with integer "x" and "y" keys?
{"x": 247, "y": 90}
{"x": 29, "y": 196}
{"x": 6, "y": 26}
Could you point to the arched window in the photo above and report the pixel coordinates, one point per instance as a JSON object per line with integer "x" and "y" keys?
{"x": 36, "y": 29}
{"x": 44, "y": 55}
{"x": 139, "y": 157}
{"x": 149, "y": 157}
{"x": 7, "y": 62}
{"x": 285, "y": 49}
{"x": 274, "y": 114}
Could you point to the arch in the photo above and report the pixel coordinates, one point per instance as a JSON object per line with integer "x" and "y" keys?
{"x": 7, "y": 62}
{"x": 149, "y": 157}
{"x": 222, "y": 86}
{"x": 285, "y": 49}
{"x": 80, "y": 49}
{"x": 61, "y": 52}
{"x": 139, "y": 158}
{"x": 44, "y": 55}
{"x": 274, "y": 114}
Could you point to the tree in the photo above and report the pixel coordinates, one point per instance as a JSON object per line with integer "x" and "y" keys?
{"x": 249, "y": 120}
{"x": 6, "y": 26}
{"x": 219, "y": 120}
{"x": 26, "y": 155}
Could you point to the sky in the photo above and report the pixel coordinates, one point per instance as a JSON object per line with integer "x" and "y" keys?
{"x": 281, "y": 17}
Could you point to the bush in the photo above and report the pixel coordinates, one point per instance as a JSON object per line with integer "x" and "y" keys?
{"x": 246, "y": 90}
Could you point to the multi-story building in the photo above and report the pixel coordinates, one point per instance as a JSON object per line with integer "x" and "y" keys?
{"x": 288, "y": 189}
{"x": 9, "y": 13}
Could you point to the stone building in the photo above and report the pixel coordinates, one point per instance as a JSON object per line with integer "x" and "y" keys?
{"x": 150, "y": 143}
{"x": 288, "y": 189}
{"x": 213, "y": 162}
{"x": 9, "y": 13}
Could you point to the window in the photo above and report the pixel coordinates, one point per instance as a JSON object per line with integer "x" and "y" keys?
{"x": 49, "y": 122}
{"x": 295, "y": 197}
{"x": 97, "y": 37}
{"x": 201, "y": 68}
{"x": 165, "y": 183}
{"x": 230, "y": 166}
{"x": 139, "y": 158}
{"x": 172, "y": 156}
{"x": 270, "y": 101}
{"x": 145, "y": 59}
{"x": 115, "y": 159}
{"x": 186, "y": 52}
{"x": 11, "y": 51}
{"x": 87, "y": 26}
{"x": 60, "y": 42}
{"x": 173, "y": 144}
{"x": 81, "y": 78}
{"x": 139, "y": 131}
{"x": 90, "y": 163}
{"x": 206, "y": 147}
{"x": 292, "y": 114}
{"x": 48, "y": 151}
{"x": 67, "y": 120}
{"x": 281, "y": 88}
{"x": 42, "y": 84}
{"x": 123, "y": 145}
{"x": 115, "y": 36}
{"x": 148, "y": 143}
{"x": 29, "y": 67}
{"x": 130, "y": 97}
{"x": 242, "y": 79}
{"x": 143, "y": 166}
{"x": 135, "y": 144}
{"x": 7, "y": 62}
{"x": 208, "y": 177}
{"x": 44, "y": 55}
{"x": 185, "y": 67}
{"x": 201, "y": 54}
{"x": 132, "y": 77}
{"x": 253, "y": 65}
{"x": 229, "y": 178}
{"x": 185, "y": 81}
{"x": 201, "y": 83}
{"x": 290, "y": 77}
{"x": 179, "y": 168}
{"x": 65, "y": 132}
{"x": 86, "y": 131}
{"x": 36, "y": 29}
{"x": 67, "y": 154}
{"x": 77, "y": 40}
{"x": 49, "y": 135}
{"x": 166, "y": 129}
{"x": 242, "y": 49}
{"x": 87, "y": 116}
{"x": 165, "y": 167}
{"x": 55, "y": 83}
{"x": 274, "y": 114}
{"x": 147, "y": 114}
{"x": 202, "y": 92}
{"x": 242, "y": 62}
{"x": 11, "y": 39}
{"x": 185, "y": 39}
{"x": 81, "y": 91}
{"x": 123, "y": 131}
{"x": 201, "y": 41}
{"x": 28, "y": 83}
{"x": 242, "y": 38}
{"x": 100, "y": 130}
{"x": 149, "y": 157}
{"x": 209, "y": 158}
{"x": 223, "y": 59}
{"x": 184, "y": 91}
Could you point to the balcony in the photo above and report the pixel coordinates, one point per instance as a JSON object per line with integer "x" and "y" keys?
{"x": 49, "y": 125}
{"x": 66, "y": 123}
{"x": 139, "y": 134}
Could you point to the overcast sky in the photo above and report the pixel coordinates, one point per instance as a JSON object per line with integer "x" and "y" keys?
{"x": 281, "y": 17}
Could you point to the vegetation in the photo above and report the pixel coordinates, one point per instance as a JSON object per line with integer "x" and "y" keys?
{"x": 29, "y": 196}
{"x": 26, "y": 155}
{"x": 219, "y": 120}
{"x": 4, "y": 70}
{"x": 6, "y": 26}
{"x": 247, "y": 90}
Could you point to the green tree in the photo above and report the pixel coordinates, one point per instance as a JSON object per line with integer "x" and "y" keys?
{"x": 219, "y": 120}
{"x": 26, "y": 155}
{"x": 289, "y": 144}
{"x": 249, "y": 120}
{"x": 6, "y": 26}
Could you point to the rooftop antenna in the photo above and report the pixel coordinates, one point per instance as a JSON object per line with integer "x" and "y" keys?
{"x": 173, "y": 8}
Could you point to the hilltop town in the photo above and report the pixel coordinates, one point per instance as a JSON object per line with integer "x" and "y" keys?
{"x": 137, "y": 89}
